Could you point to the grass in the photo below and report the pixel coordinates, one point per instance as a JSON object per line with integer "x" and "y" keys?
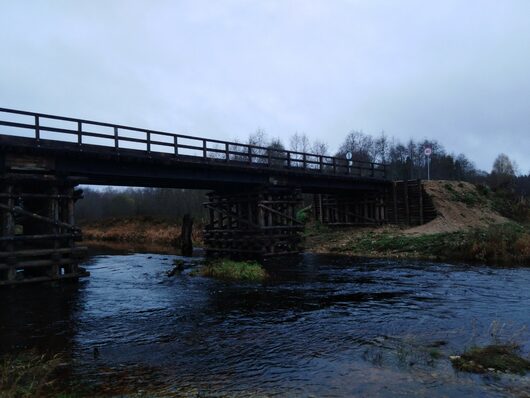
{"x": 469, "y": 198}
{"x": 503, "y": 358}
{"x": 234, "y": 270}
{"x": 28, "y": 375}
{"x": 500, "y": 244}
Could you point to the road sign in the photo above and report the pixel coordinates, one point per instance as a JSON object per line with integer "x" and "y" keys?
{"x": 427, "y": 151}
{"x": 349, "y": 155}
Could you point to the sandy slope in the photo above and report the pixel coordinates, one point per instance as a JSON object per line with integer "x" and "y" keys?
{"x": 454, "y": 211}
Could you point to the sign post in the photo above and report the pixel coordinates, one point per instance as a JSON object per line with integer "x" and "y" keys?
{"x": 349, "y": 156}
{"x": 428, "y": 152}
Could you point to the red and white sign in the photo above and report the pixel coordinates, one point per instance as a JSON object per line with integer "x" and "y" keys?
{"x": 427, "y": 151}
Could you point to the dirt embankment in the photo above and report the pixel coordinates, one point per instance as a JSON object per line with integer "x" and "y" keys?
{"x": 460, "y": 206}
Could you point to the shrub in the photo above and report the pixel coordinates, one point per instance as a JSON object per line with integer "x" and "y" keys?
{"x": 234, "y": 270}
{"x": 504, "y": 358}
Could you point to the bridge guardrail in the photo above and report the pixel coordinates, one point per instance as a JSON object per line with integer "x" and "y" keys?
{"x": 40, "y": 127}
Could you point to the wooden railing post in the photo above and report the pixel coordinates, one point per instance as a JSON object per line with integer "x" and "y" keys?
{"x": 176, "y": 144}
{"x": 249, "y": 148}
{"x": 321, "y": 163}
{"x": 288, "y": 159}
{"x": 148, "y": 137}
{"x": 116, "y": 145}
{"x": 227, "y": 151}
{"x": 37, "y": 129}
{"x": 204, "y": 152}
{"x": 304, "y": 161}
{"x": 79, "y": 134}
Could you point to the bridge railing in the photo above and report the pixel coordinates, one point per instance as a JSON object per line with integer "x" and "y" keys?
{"x": 87, "y": 133}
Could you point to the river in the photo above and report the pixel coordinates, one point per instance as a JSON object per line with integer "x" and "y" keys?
{"x": 321, "y": 326}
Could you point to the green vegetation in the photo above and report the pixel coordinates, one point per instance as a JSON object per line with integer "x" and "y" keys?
{"x": 28, "y": 375}
{"x": 469, "y": 198}
{"x": 435, "y": 354}
{"x": 233, "y": 270}
{"x": 499, "y": 244}
{"x": 504, "y": 358}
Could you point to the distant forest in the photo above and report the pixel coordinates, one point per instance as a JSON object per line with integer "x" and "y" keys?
{"x": 404, "y": 160}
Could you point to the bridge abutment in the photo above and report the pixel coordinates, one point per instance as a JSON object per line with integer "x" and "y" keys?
{"x": 254, "y": 224}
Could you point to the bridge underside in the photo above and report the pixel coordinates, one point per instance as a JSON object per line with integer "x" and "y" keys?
{"x": 252, "y": 210}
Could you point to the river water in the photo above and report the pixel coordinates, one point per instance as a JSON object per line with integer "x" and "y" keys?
{"x": 321, "y": 326}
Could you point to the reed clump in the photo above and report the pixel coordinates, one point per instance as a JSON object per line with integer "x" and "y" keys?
{"x": 225, "y": 269}
{"x": 29, "y": 374}
{"x": 495, "y": 357}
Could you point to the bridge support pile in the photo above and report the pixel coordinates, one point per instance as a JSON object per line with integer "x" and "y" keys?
{"x": 38, "y": 233}
{"x": 362, "y": 208}
{"x": 410, "y": 204}
{"x": 255, "y": 224}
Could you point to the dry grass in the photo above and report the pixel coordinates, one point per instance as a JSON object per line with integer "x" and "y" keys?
{"x": 28, "y": 375}
{"x": 138, "y": 230}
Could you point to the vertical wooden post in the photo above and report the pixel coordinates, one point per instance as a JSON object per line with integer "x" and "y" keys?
{"x": 394, "y": 200}
{"x": 420, "y": 189}
{"x": 204, "y": 149}
{"x": 406, "y": 196}
{"x": 37, "y": 129}
{"x": 186, "y": 244}
{"x": 54, "y": 215}
{"x": 116, "y": 141}
{"x": 148, "y": 139}
{"x": 79, "y": 134}
{"x": 176, "y": 144}
{"x": 227, "y": 152}
{"x": 9, "y": 231}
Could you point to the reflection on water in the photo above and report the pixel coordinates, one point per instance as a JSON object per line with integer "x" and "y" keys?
{"x": 325, "y": 326}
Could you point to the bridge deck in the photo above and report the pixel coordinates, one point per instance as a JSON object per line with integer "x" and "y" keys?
{"x": 103, "y": 153}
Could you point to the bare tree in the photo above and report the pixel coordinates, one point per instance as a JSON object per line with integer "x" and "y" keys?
{"x": 299, "y": 142}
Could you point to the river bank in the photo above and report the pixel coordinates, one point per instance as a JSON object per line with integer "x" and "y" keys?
{"x": 498, "y": 244}
{"x": 138, "y": 231}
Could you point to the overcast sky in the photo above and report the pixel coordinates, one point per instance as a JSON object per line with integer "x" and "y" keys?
{"x": 456, "y": 71}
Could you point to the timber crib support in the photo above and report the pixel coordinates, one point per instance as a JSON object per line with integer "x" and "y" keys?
{"x": 355, "y": 209}
{"x": 38, "y": 241}
{"x": 255, "y": 224}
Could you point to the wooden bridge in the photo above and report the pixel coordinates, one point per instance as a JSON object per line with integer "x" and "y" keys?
{"x": 256, "y": 190}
